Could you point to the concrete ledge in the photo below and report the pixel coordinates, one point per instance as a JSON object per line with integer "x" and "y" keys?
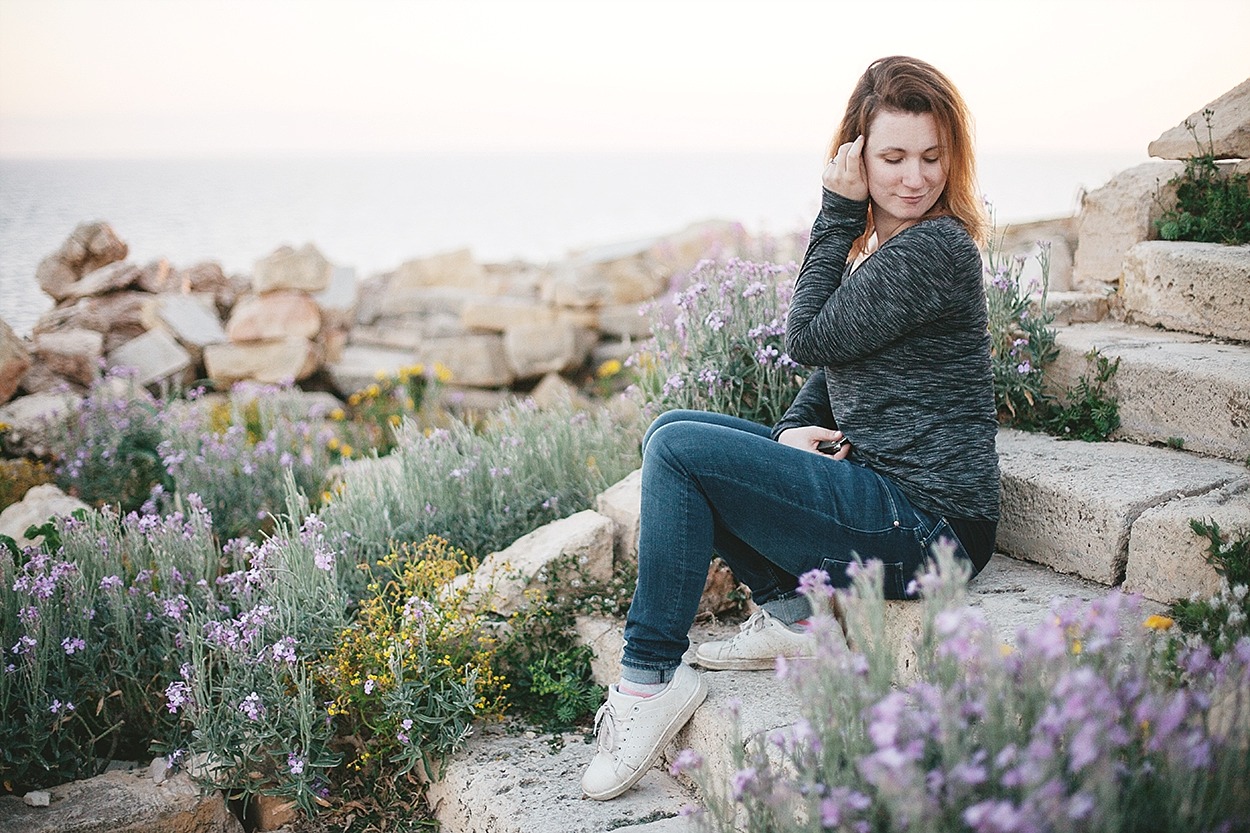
{"x": 1191, "y": 287}
{"x": 1166, "y": 560}
{"x": 1070, "y": 505}
{"x": 1169, "y": 385}
{"x": 503, "y": 783}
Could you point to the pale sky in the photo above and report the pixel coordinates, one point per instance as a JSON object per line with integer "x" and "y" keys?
{"x": 211, "y": 77}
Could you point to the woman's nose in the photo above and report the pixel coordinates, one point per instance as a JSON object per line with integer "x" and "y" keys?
{"x": 911, "y": 175}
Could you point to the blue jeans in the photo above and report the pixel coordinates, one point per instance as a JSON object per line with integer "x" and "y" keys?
{"x": 719, "y": 484}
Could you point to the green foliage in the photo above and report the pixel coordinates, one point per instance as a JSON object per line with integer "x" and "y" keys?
{"x": 481, "y": 487}
{"x": 109, "y": 449}
{"x": 1022, "y": 342}
{"x": 719, "y": 345}
{"x": 1219, "y": 621}
{"x": 1086, "y": 411}
{"x": 375, "y": 411}
{"x": 1211, "y": 207}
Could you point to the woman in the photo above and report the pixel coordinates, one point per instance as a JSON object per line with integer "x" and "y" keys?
{"x": 888, "y": 447}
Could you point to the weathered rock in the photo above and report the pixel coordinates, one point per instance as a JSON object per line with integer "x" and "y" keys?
{"x": 1192, "y": 287}
{"x": 37, "y": 798}
{"x": 1169, "y": 387}
{"x": 121, "y": 316}
{"x": 31, "y": 420}
{"x": 106, "y": 279}
{"x": 14, "y": 361}
{"x": 476, "y": 360}
{"x": 579, "y": 547}
{"x": 358, "y": 366}
{"x": 420, "y": 302}
{"x": 191, "y": 319}
{"x": 157, "y": 276}
{"x": 1078, "y": 307}
{"x": 1070, "y": 505}
{"x": 553, "y": 389}
{"x": 304, "y": 269}
{"x": 1230, "y": 129}
{"x": 497, "y": 314}
{"x": 122, "y": 802}
{"x": 625, "y": 321}
{"x": 274, "y": 315}
{"x": 1167, "y": 561}
{"x": 274, "y": 362}
{"x": 338, "y": 300}
{"x": 472, "y": 403}
{"x": 1118, "y": 216}
{"x": 154, "y": 356}
{"x": 453, "y": 270}
{"x": 71, "y": 354}
{"x": 41, "y": 503}
{"x": 505, "y": 783}
{"x": 622, "y": 502}
{"x": 536, "y": 349}
{"x": 1060, "y": 234}
{"x": 89, "y": 247}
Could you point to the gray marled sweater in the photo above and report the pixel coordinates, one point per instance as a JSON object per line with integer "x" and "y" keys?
{"x": 903, "y": 347}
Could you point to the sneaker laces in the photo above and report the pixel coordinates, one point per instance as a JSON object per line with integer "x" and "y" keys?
{"x": 605, "y": 728}
{"x": 758, "y": 621}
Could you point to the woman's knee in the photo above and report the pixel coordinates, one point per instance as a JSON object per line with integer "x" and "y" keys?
{"x": 669, "y": 418}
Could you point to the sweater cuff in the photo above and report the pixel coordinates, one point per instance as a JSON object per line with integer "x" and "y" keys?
{"x": 841, "y": 206}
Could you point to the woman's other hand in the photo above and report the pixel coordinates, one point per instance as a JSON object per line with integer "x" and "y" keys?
{"x": 845, "y": 174}
{"x": 808, "y": 436}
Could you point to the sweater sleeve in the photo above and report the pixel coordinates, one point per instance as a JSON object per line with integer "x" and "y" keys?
{"x": 810, "y": 406}
{"x": 904, "y": 285}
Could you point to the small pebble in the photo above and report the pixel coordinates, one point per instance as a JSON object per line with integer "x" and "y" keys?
{"x": 159, "y": 770}
{"x": 38, "y": 798}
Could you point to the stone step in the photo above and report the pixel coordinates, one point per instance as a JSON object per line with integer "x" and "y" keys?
{"x": 1076, "y": 506}
{"x": 1189, "y": 287}
{"x": 1169, "y": 386}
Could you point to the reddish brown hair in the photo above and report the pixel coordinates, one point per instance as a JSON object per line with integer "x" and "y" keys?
{"x": 909, "y": 85}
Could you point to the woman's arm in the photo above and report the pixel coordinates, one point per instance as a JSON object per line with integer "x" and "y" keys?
{"x": 810, "y": 406}
{"x": 903, "y": 285}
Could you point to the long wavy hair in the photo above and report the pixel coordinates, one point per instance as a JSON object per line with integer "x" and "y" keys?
{"x": 909, "y": 85}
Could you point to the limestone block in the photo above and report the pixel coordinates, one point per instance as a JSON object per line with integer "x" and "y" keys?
{"x": 393, "y": 338}
{"x": 624, "y": 321}
{"x": 1116, "y": 217}
{"x": 1078, "y": 307}
{"x": 472, "y": 403}
{"x": 274, "y": 315}
{"x": 30, "y": 421}
{"x": 106, "y": 279}
{"x": 1166, "y": 560}
{"x": 191, "y": 319}
{"x": 201, "y": 277}
{"x": 476, "y": 361}
{"x": 304, "y": 269}
{"x": 358, "y": 365}
{"x": 272, "y": 362}
{"x": 89, "y": 247}
{"x": 536, "y": 349}
{"x": 1168, "y": 386}
{"x": 1022, "y": 239}
{"x": 1070, "y": 505}
{"x": 1230, "y": 129}
{"x": 123, "y": 802}
{"x": 369, "y": 299}
{"x": 338, "y": 300}
{"x": 14, "y": 361}
{"x": 121, "y": 316}
{"x": 575, "y": 548}
{"x": 622, "y": 502}
{"x": 497, "y": 314}
{"x": 455, "y": 269}
{"x": 40, "y": 504}
{"x": 553, "y": 390}
{"x": 606, "y": 637}
{"x": 407, "y": 302}
{"x": 157, "y": 276}
{"x": 155, "y": 356}
{"x": 508, "y": 783}
{"x": 1192, "y": 287}
{"x": 71, "y": 354}
{"x": 39, "y": 379}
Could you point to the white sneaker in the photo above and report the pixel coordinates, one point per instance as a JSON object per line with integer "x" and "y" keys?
{"x": 760, "y": 641}
{"x": 633, "y": 731}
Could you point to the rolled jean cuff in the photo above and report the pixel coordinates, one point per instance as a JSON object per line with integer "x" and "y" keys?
{"x": 788, "y": 609}
{"x": 647, "y": 676}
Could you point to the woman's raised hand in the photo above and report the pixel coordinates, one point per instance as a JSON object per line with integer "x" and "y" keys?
{"x": 845, "y": 174}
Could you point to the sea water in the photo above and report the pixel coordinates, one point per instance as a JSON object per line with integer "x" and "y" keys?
{"x": 375, "y": 212}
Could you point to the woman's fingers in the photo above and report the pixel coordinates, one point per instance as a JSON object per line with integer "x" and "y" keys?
{"x": 845, "y": 172}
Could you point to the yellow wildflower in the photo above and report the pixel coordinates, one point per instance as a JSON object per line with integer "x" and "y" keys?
{"x": 337, "y": 415}
{"x": 346, "y": 450}
{"x": 379, "y": 375}
{"x": 609, "y": 369}
{"x": 1158, "y": 623}
{"x": 442, "y": 372}
{"x": 332, "y": 443}
{"x": 1076, "y": 647}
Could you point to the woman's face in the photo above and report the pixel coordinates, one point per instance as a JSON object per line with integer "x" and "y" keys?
{"x": 903, "y": 162}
